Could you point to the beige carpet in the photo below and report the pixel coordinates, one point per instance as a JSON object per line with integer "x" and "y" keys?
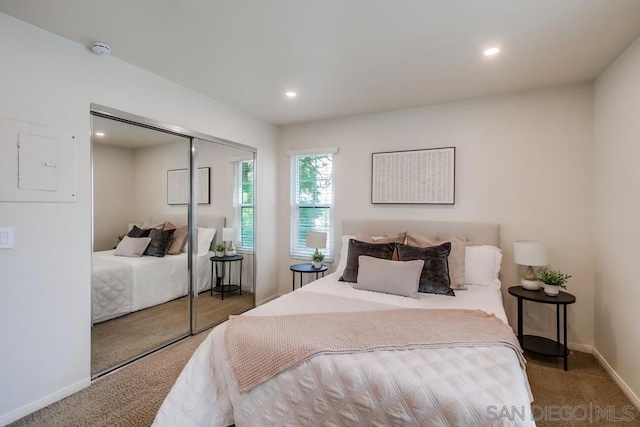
{"x": 121, "y": 339}
{"x": 132, "y": 395}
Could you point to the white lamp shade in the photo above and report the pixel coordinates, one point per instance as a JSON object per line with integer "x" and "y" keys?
{"x": 229, "y": 234}
{"x": 529, "y": 252}
{"x": 316, "y": 240}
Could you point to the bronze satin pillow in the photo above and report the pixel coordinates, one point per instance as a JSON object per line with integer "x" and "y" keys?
{"x": 394, "y": 238}
{"x": 456, "y": 257}
{"x": 435, "y": 273}
{"x": 357, "y": 248}
{"x": 179, "y": 240}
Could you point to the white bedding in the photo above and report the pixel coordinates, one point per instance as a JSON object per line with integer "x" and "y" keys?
{"x": 445, "y": 386}
{"x": 121, "y": 285}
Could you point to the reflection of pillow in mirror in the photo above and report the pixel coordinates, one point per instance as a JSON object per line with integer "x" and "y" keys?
{"x": 179, "y": 241}
{"x": 205, "y": 237}
{"x": 138, "y": 232}
{"x": 158, "y": 226}
{"x": 132, "y": 247}
{"x": 130, "y": 225}
{"x": 160, "y": 241}
{"x": 169, "y": 226}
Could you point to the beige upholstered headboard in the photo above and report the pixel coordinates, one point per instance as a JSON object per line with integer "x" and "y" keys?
{"x": 476, "y": 232}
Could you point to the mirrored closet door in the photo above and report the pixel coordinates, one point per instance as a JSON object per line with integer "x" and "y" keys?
{"x": 230, "y": 267}
{"x": 162, "y": 202}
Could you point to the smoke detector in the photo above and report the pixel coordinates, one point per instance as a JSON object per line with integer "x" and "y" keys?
{"x": 101, "y": 48}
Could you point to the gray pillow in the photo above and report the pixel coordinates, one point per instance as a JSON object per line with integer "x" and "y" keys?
{"x": 357, "y": 248}
{"x": 132, "y": 247}
{"x": 389, "y": 277}
{"x": 435, "y": 273}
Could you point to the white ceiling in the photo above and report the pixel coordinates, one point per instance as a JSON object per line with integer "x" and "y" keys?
{"x": 347, "y": 57}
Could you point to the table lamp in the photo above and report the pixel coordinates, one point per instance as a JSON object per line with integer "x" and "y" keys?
{"x": 229, "y": 235}
{"x": 316, "y": 240}
{"x": 532, "y": 254}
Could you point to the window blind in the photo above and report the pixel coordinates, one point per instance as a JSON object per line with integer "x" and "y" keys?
{"x": 311, "y": 202}
{"x": 243, "y": 202}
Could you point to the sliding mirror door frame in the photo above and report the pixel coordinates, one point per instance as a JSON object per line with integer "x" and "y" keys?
{"x": 192, "y": 206}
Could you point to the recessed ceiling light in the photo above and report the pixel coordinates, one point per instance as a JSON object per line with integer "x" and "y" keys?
{"x": 291, "y": 94}
{"x": 99, "y": 133}
{"x": 492, "y": 51}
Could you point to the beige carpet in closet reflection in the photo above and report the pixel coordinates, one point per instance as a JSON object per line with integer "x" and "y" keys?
{"x": 118, "y": 340}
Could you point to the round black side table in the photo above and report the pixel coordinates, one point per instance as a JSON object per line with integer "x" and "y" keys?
{"x": 305, "y": 268}
{"x": 220, "y": 287}
{"x": 538, "y": 344}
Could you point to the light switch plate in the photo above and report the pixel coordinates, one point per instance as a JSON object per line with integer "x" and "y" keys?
{"x": 6, "y": 237}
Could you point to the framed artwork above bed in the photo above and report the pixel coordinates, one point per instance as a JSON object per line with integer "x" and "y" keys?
{"x": 178, "y": 186}
{"x": 414, "y": 177}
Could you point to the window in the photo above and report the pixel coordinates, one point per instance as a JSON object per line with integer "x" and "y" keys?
{"x": 311, "y": 202}
{"x": 243, "y": 203}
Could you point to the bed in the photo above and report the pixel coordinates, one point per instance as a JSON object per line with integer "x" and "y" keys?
{"x": 121, "y": 285}
{"x": 455, "y": 385}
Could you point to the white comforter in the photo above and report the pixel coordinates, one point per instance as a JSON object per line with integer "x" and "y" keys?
{"x": 449, "y": 386}
{"x": 120, "y": 285}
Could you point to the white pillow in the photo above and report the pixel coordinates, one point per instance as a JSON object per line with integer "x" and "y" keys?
{"x": 482, "y": 265}
{"x": 205, "y": 237}
{"x": 389, "y": 277}
{"x": 344, "y": 251}
{"x": 132, "y": 247}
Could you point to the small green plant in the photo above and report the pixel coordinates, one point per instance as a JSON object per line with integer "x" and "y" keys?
{"x": 220, "y": 247}
{"x": 317, "y": 256}
{"x": 552, "y": 277}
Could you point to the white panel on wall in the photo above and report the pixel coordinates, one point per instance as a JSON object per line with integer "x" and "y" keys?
{"x": 37, "y": 163}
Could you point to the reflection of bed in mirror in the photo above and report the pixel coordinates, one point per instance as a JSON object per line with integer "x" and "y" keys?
{"x": 121, "y": 285}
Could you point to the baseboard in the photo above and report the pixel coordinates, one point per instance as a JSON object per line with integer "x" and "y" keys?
{"x": 584, "y": 348}
{"x": 625, "y": 388}
{"x": 45, "y": 401}
{"x": 266, "y": 300}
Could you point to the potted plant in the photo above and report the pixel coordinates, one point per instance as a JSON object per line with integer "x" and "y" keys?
{"x": 553, "y": 280}
{"x": 317, "y": 259}
{"x": 220, "y": 248}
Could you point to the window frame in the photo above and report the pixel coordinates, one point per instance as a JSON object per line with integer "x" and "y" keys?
{"x": 297, "y": 249}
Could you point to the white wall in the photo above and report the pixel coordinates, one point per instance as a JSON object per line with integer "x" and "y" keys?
{"x": 45, "y": 285}
{"x": 616, "y": 212}
{"x": 113, "y": 194}
{"x": 524, "y": 161}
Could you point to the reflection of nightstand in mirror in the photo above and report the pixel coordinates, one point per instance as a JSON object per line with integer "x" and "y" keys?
{"x": 543, "y": 345}
{"x": 218, "y": 266}
{"x": 305, "y": 268}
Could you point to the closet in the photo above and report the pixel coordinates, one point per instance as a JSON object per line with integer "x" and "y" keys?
{"x": 164, "y": 198}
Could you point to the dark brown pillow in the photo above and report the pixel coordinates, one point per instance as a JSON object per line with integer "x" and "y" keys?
{"x": 160, "y": 242}
{"x": 435, "y": 273}
{"x": 357, "y": 248}
{"x": 139, "y": 232}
